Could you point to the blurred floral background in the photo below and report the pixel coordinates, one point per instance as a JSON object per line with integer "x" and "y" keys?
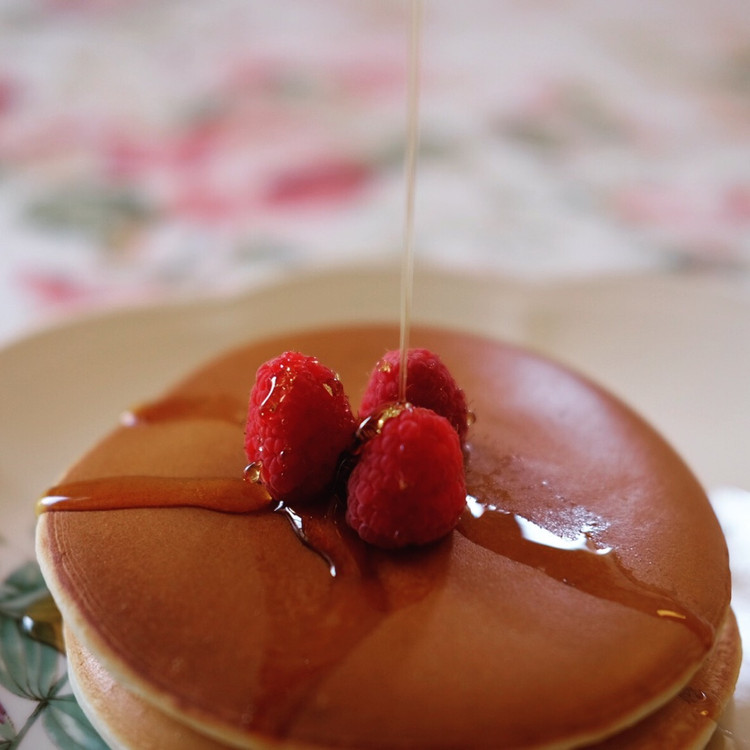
{"x": 179, "y": 147}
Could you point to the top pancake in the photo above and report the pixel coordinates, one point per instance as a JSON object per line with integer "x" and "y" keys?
{"x": 232, "y": 624}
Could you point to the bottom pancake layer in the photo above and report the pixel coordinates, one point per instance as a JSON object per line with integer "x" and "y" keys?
{"x": 687, "y": 722}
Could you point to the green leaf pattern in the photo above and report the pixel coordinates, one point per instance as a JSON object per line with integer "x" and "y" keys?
{"x": 23, "y": 587}
{"x": 36, "y": 672}
{"x": 67, "y": 725}
{"x": 27, "y": 668}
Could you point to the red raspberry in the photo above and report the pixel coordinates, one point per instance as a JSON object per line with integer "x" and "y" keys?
{"x": 408, "y": 486}
{"x": 299, "y": 423}
{"x": 428, "y": 384}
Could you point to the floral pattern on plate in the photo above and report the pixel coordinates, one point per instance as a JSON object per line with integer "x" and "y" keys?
{"x": 33, "y": 678}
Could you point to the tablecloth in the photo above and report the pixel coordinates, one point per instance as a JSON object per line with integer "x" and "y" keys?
{"x": 178, "y": 147}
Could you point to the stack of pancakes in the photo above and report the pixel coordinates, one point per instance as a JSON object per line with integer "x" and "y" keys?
{"x": 583, "y": 599}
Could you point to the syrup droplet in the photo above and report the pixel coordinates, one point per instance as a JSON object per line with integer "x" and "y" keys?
{"x": 42, "y": 621}
{"x": 372, "y": 426}
{"x": 252, "y": 473}
{"x": 703, "y": 703}
{"x": 691, "y": 694}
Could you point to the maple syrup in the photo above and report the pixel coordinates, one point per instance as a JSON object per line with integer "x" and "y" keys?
{"x": 223, "y": 494}
{"x": 577, "y": 561}
{"x": 412, "y": 149}
{"x": 220, "y": 407}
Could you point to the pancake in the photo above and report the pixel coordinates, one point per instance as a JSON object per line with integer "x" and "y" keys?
{"x": 687, "y": 721}
{"x": 585, "y": 587}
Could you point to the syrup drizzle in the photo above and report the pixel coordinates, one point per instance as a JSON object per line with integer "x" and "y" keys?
{"x": 224, "y": 494}
{"x": 220, "y": 407}
{"x": 306, "y": 535}
{"x": 700, "y": 701}
{"x": 360, "y": 596}
{"x": 577, "y": 561}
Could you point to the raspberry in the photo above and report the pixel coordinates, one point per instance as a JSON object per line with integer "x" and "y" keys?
{"x": 408, "y": 486}
{"x": 428, "y": 384}
{"x": 299, "y": 423}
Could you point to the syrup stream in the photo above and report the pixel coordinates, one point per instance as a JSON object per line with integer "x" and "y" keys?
{"x": 412, "y": 148}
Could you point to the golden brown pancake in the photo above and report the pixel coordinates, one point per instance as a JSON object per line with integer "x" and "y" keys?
{"x": 584, "y": 588}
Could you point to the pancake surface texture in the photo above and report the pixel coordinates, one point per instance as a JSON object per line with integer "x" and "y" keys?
{"x": 583, "y": 589}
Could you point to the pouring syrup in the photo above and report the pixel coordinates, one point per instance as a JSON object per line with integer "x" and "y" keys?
{"x": 412, "y": 149}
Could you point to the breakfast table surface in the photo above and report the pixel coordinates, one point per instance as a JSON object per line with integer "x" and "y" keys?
{"x": 179, "y": 152}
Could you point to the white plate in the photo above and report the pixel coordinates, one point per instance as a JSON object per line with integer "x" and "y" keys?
{"x": 678, "y": 349}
